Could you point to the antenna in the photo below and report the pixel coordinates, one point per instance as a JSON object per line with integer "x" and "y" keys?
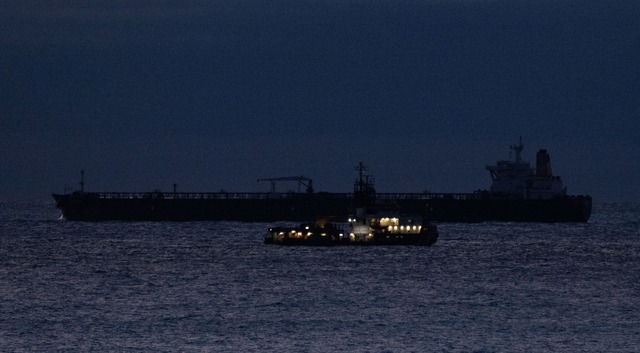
{"x": 361, "y": 169}
{"x": 518, "y": 149}
{"x": 82, "y": 181}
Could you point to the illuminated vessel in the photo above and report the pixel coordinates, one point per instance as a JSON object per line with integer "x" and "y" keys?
{"x": 519, "y": 193}
{"x": 375, "y": 228}
{"x": 316, "y": 234}
{"x": 363, "y": 229}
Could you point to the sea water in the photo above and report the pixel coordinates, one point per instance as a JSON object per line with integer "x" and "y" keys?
{"x": 215, "y": 287}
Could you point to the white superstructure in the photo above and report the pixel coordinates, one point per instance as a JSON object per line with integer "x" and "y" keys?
{"x": 516, "y": 179}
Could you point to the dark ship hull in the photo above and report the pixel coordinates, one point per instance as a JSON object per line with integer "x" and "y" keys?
{"x": 247, "y": 207}
{"x": 561, "y": 209}
{"x": 301, "y": 207}
{"x": 519, "y": 193}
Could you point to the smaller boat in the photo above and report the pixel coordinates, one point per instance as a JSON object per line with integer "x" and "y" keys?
{"x": 320, "y": 233}
{"x": 363, "y": 229}
{"x": 377, "y": 228}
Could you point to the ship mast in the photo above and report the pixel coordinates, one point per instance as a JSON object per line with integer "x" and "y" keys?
{"x": 518, "y": 149}
{"x": 364, "y": 192}
{"x": 361, "y": 169}
{"x": 82, "y": 181}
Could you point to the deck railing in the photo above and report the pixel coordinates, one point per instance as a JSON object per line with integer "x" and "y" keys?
{"x": 277, "y": 195}
{"x": 214, "y": 195}
{"x": 426, "y": 196}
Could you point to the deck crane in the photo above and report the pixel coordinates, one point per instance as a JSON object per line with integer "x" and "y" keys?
{"x": 302, "y": 181}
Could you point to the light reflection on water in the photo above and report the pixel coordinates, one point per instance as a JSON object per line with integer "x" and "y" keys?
{"x": 214, "y": 286}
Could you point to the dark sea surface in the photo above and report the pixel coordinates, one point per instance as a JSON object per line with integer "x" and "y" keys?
{"x": 215, "y": 287}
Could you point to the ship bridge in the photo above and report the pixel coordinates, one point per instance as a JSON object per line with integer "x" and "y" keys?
{"x": 517, "y": 179}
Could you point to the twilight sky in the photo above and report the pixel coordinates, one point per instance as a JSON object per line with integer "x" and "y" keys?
{"x": 215, "y": 94}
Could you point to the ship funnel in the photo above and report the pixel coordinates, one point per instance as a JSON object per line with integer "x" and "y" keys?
{"x": 543, "y": 164}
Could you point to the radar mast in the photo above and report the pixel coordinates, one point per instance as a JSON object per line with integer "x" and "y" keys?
{"x": 517, "y": 148}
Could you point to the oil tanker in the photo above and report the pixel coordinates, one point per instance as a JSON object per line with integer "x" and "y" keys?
{"x": 518, "y": 193}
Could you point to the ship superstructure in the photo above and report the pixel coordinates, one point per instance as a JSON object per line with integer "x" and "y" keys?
{"x": 518, "y": 180}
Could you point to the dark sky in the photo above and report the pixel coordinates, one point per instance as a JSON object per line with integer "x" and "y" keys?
{"x": 215, "y": 94}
